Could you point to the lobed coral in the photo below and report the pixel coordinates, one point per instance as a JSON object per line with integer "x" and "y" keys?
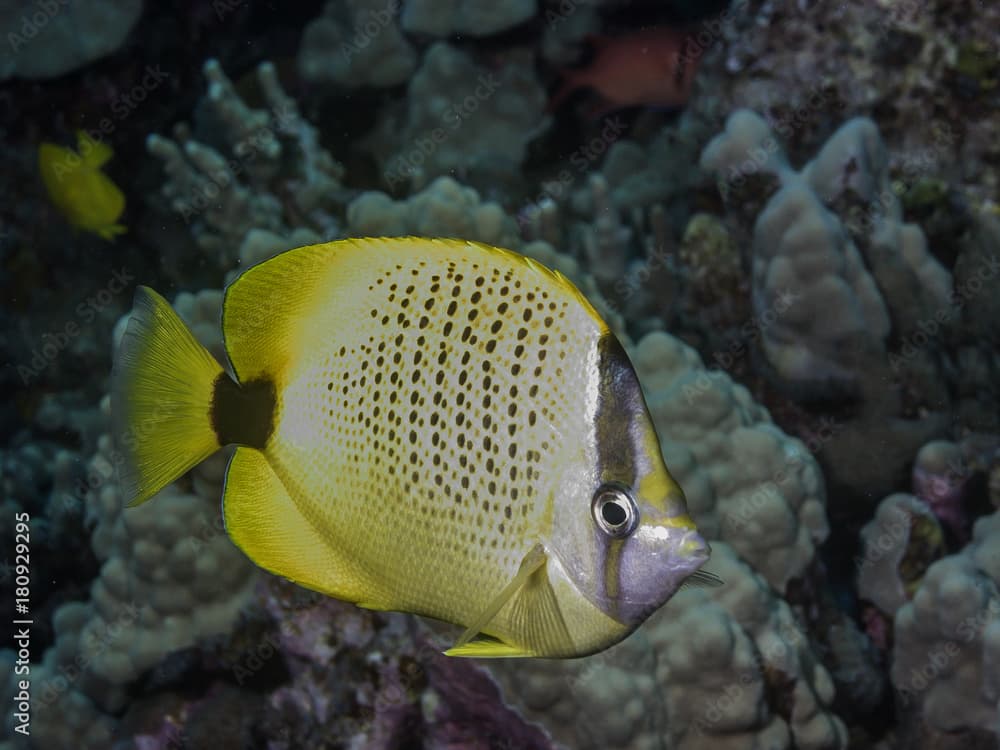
{"x": 831, "y": 236}
{"x": 44, "y": 40}
{"x": 898, "y": 545}
{"x": 445, "y": 208}
{"x": 461, "y": 118}
{"x": 356, "y": 44}
{"x": 946, "y": 660}
{"x": 663, "y": 169}
{"x": 275, "y": 176}
{"x": 444, "y": 18}
{"x": 810, "y": 240}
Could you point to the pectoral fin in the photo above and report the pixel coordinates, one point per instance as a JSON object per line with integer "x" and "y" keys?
{"x": 535, "y": 616}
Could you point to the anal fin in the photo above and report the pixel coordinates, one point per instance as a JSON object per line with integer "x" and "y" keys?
{"x": 264, "y": 522}
{"x": 487, "y": 648}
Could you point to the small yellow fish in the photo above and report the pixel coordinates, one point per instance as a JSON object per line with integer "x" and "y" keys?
{"x": 79, "y": 189}
{"x": 429, "y": 426}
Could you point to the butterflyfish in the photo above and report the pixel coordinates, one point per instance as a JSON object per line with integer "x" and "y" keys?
{"x": 79, "y": 189}
{"x": 422, "y": 425}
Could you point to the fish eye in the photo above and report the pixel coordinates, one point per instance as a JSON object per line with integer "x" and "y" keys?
{"x": 614, "y": 510}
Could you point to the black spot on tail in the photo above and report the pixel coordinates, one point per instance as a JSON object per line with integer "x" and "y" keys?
{"x": 243, "y": 414}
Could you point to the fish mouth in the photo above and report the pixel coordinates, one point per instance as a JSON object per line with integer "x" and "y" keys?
{"x": 694, "y": 549}
{"x": 648, "y": 583}
{"x": 688, "y": 554}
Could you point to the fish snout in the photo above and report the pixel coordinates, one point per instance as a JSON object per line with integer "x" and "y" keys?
{"x": 654, "y": 564}
{"x": 695, "y": 549}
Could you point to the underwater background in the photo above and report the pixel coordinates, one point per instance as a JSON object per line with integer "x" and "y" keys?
{"x": 788, "y": 211}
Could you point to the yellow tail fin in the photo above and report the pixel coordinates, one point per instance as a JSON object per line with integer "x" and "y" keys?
{"x": 161, "y": 399}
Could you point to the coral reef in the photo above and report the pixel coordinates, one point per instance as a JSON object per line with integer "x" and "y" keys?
{"x": 605, "y": 241}
{"x": 898, "y": 546}
{"x": 945, "y": 661}
{"x": 183, "y": 587}
{"x": 831, "y": 237}
{"x": 911, "y": 532}
{"x": 373, "y": 680}
{"x": 827, "y": 395}
{"x": 641, "y": 174}
{"x": 356, "y": 44}
{"x": 795, "y": 242}
{"x": 939, "y": 479}
{"x": 445, "y": 208}
{"x": 634, "y": 271}
{"x": 444, "y": 18}
{"x": 44, "y": 40}
{"x": 708, "y": 250}
{"x": 461, "y": 118}
{"x": 566, "y": 28}
{"x": 276, "y": 174}
{"x": 851, "y": 175}
{"x": 901, "y": 61}
{"x": 809, "y": 240}
{"x": 977, "y": 268}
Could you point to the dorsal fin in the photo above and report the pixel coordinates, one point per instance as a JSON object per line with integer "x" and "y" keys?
{"x": 95, "y": 154}
{"x": 265, "y": 307}
{"x": 267, "y": 302}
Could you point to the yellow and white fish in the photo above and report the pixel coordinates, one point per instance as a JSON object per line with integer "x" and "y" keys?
{"x": 79, "y": 189}
{"x": 430, "y": 426}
